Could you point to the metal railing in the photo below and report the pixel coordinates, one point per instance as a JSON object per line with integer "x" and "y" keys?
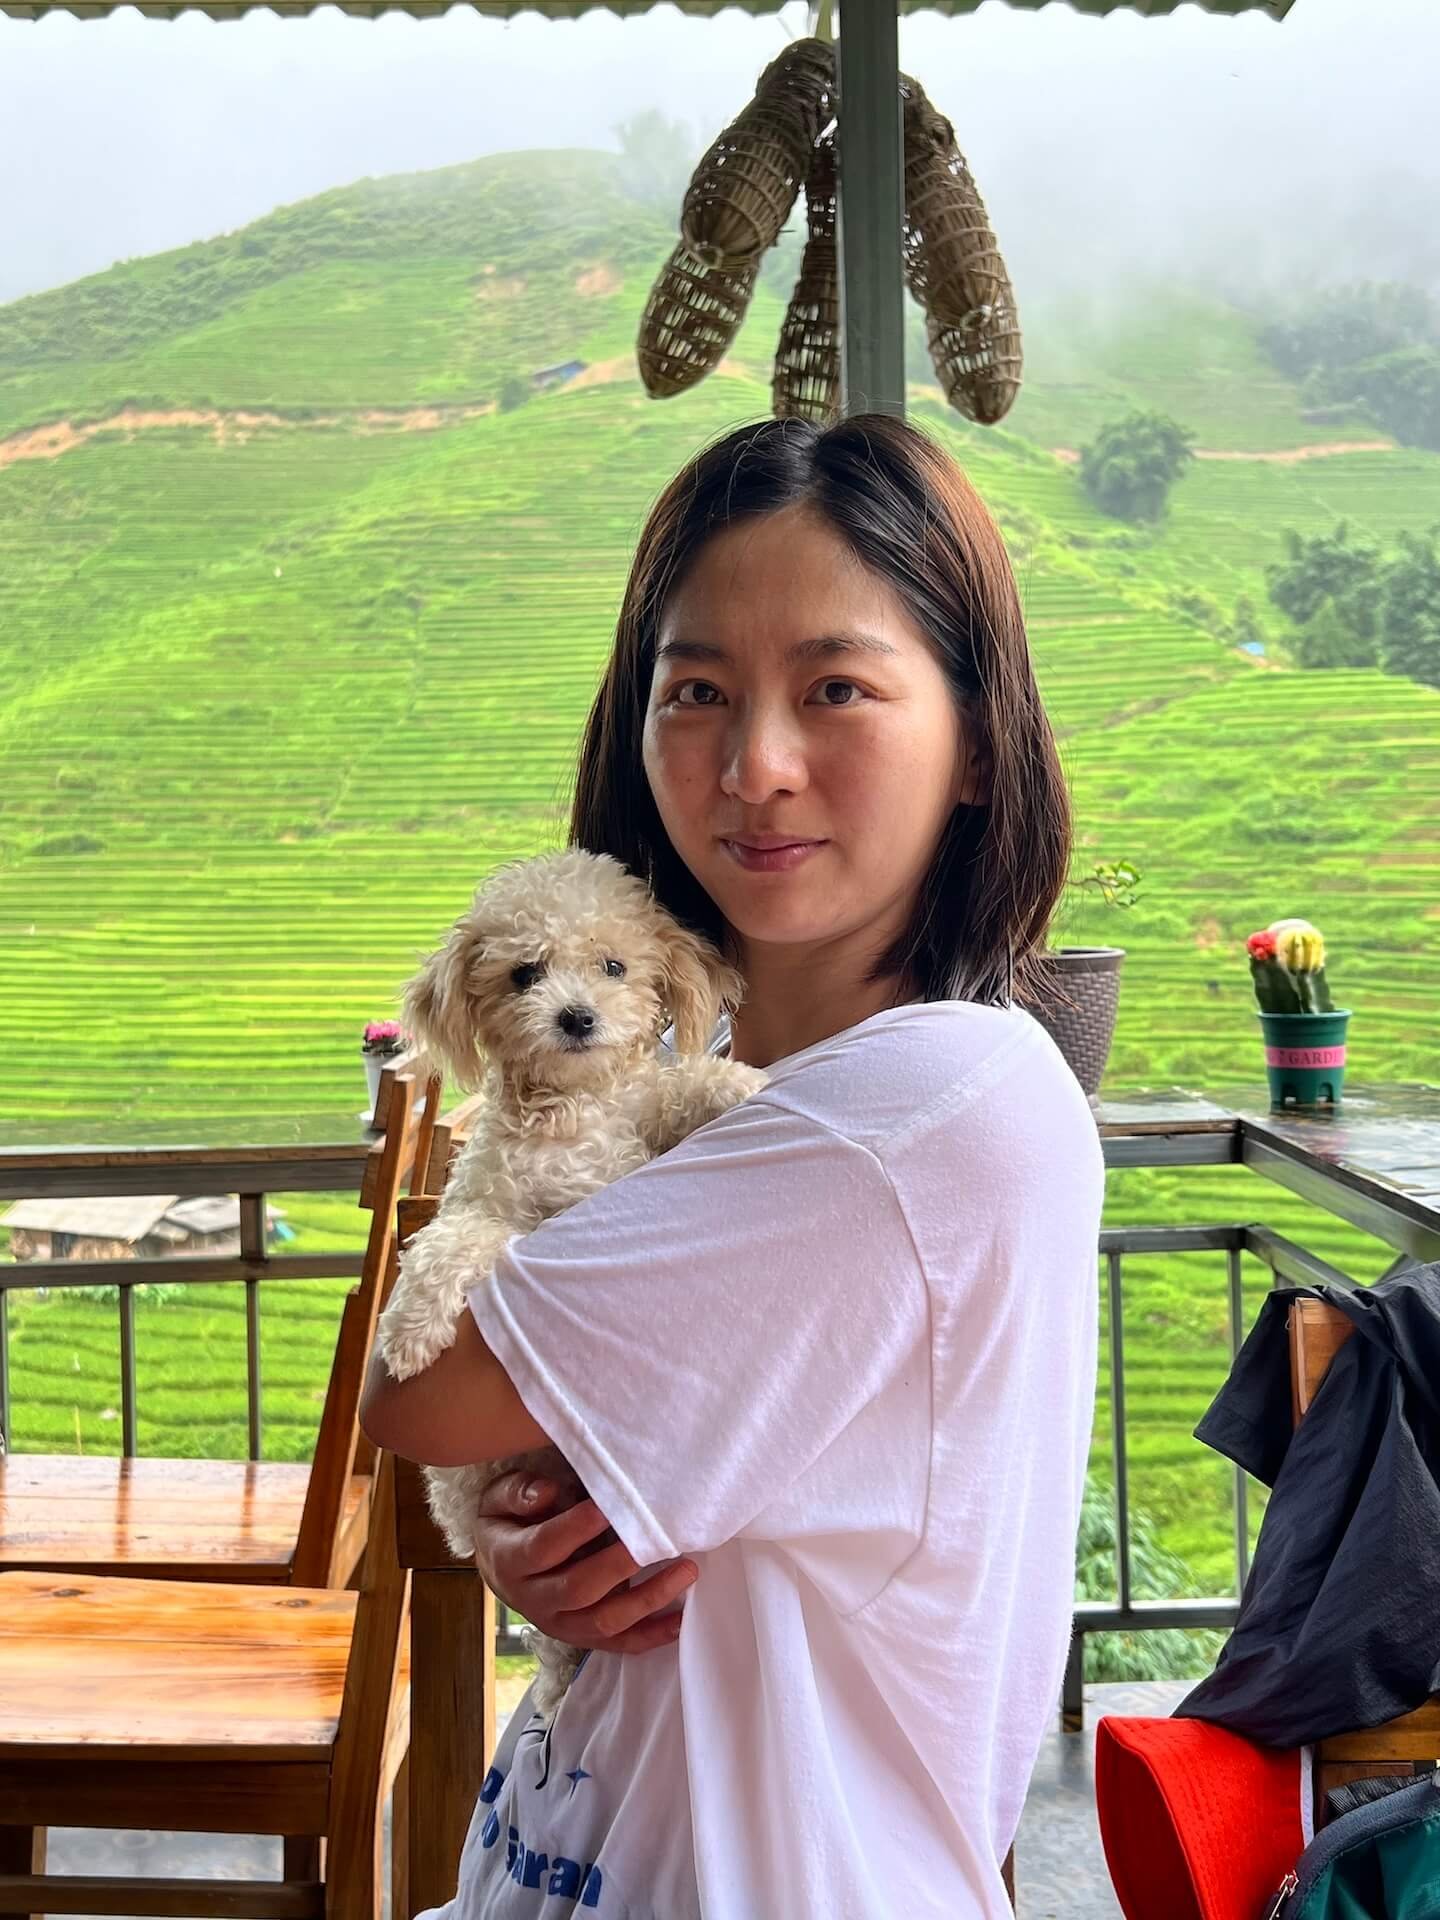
{"x": 1409, "y": 1231}
{"x": 253, "y": 1267}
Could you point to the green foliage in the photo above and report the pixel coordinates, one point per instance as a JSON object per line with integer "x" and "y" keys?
{"x": 1401, "y": 390}
{"x": 1130, "y": 467}
{"x": 1375, "y": 347}
{"x": 1326, "y": 567}
{"x": 1167, "y": 1653}
{"x": 1114, "y": 881}
{"x": 1347, "y": 325}
{"x": 1410, "y": 610}
{"x": 657, "y": 158}
{"x": 1355, "y": 606}
{"x": 514, "y": 392}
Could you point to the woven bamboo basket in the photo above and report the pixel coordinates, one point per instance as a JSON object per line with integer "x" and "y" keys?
{"x": 692, "y": 315}
{"x": 747, "y": 182}
{"x": 954, "y": 268}
{"x": 807, "y": 364}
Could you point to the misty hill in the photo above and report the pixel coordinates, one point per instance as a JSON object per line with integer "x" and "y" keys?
{"x": 295, "y": 644}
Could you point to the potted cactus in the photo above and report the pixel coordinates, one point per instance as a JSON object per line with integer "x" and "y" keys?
{"x": 1081, "y": 1019}
{"x": 1303, "y": 1028}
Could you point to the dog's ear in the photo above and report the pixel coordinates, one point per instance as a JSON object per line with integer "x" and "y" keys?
{"x": 698, "y": 983}
{"x": 440, "y": 1013}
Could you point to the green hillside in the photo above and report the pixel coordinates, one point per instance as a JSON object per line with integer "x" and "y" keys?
{"x": 286, "y": 667}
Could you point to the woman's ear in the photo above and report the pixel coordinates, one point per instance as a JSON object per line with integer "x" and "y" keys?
{"x": 440, "y": 1011}
{"x": 698, "y": 984}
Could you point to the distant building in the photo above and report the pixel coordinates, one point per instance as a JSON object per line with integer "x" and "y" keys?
{"x": 1253, "y": 646}
{"x": 138, "y": 1226}
{"x": 557, "y": 376}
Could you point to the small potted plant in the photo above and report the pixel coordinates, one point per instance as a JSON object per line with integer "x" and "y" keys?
{"x": 383, "y": 1041}
{"x": 1303, "y": 1028}
{"x": 1081, "y": 1020}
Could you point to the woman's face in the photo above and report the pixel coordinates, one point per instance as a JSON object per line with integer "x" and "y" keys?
{"x": 801, "y": 741}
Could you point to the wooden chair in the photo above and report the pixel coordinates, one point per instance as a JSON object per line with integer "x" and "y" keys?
{"x": 237, "y": 1520}
{"x": 1317, "y": 1333}
{"x": 202, "y": 1707}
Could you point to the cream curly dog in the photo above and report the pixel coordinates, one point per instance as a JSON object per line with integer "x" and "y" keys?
{"x": 551, "y": 993}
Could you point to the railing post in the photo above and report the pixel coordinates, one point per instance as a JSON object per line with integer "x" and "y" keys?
{"x": 1117, "y": 1429}
{"x": 252, "y": 1247}
{"x": 128, "y": 1445}
{"x": 1072, "y": 1689}
{"x": 1242, "y": 1487}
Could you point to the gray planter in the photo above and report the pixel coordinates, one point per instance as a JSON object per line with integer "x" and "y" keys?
{"x": 1080, "y": 1013}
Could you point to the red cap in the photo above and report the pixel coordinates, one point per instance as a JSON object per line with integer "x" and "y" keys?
{"x": 1198, "y": 1823}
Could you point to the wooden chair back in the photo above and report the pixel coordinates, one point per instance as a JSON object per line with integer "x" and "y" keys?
{"x": 403, "y": 1151}
{"x": 452, "y": 1614}
{"x": 369, "y": 1709}
{"x": 1317, "y": 1333}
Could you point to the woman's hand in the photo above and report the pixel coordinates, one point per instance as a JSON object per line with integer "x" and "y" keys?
{"x": 554, "y": 1565}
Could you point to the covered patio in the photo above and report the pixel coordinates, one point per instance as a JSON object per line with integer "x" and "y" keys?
{"x": 1376, "y": 1167}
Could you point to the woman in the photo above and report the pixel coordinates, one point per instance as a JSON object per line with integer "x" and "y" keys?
{"x": 833, "y": 1356}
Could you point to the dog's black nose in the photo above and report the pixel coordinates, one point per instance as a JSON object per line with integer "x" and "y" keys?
{"x": 578, "y": 1022}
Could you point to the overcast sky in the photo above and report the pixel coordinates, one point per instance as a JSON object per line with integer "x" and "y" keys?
{"x": 1240, "y": 148}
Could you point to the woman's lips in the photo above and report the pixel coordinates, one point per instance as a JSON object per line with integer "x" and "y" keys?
{"x": 767, "y": 853}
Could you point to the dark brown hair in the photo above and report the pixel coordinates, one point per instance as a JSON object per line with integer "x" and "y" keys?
{"x": 910, "y": 516}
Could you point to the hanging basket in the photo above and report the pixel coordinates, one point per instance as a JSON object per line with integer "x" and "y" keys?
{"x": 743, "y": 190}
{"x": 954, "y": 269}
{"x": 691, "y": 317}
{"x": 807, "y": 364}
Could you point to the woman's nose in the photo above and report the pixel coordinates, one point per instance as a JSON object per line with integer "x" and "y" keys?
{"x": 763, "y": 756}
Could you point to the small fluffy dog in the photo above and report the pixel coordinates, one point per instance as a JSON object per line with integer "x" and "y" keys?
{"x": 551, "y": 993}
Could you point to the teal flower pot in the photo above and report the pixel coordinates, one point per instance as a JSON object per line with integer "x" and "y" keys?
{"x": 1305, "y": 1057}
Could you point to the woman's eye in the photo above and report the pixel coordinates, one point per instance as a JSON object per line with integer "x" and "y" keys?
{"x": 702, "y": 694}
{"x": 838, "y": 693}
{"x": 615, "y": 969}
{"x": 525, "y": 976}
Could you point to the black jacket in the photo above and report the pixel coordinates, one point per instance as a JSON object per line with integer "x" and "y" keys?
{"x": 1339, "y": 1624}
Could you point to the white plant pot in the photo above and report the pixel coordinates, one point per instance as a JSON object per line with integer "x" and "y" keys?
{"x": 375, "y": 1063}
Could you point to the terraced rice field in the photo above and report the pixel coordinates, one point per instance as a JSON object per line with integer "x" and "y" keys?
{"x": 271, "y": 705}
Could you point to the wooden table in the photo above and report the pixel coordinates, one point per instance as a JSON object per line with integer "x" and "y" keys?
{"x": 1374, "y": 1161}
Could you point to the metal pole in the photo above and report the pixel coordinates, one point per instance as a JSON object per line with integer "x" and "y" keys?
{"x": 870, "y": 209}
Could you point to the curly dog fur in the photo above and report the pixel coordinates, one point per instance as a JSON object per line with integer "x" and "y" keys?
{"x": 551, "y": 993}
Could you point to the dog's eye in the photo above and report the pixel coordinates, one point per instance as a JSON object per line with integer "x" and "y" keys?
{"x": 524, "y": 977}
{"x": 615, "y": 969}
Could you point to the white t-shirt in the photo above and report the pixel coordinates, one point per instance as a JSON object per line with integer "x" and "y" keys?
{"x": 840, "y": 1346}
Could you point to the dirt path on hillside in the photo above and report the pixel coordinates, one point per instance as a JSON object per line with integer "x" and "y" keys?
{"x": 229, "y": 428}
{"x": 1285, "y": 457}
{"x": 234, "y": 427}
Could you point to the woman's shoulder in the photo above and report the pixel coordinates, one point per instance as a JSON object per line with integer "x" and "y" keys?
{"x": 921, "y": 1068}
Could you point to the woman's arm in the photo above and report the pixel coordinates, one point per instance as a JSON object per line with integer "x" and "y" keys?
{"x": 460, "y": 1410}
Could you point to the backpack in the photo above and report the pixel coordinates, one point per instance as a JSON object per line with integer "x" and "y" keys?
{"x": 1378, "y": 1860}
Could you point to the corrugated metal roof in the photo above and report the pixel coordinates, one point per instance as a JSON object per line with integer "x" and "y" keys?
{"x": 572, "y": 9}
{"x": 126, "y": 1217}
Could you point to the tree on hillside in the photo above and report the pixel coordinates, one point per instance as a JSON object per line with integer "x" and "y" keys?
{"x": 1131, "y": 465}
{"x": 1373, "y": 348}
{"x": 514, "y": 392}
{"x": 1354, "y": 606}
{"x": 657, "y": 157}
{"x": 1344, "y": 326}
{"x": 1410, "y": 609}
{"x": 1400, "y": 391}
{"x": 1327, "y": 568}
